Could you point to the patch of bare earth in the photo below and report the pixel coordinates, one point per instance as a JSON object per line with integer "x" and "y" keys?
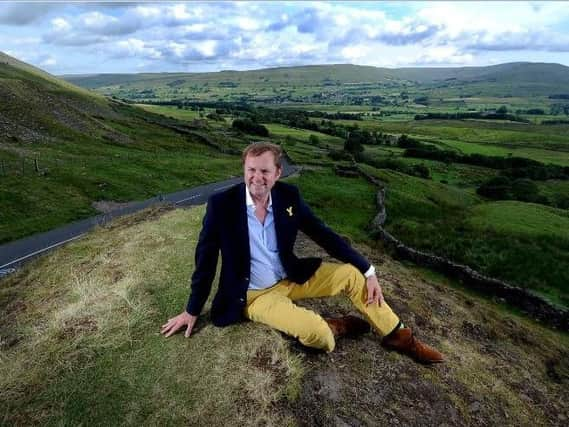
{"x": 106, "y": 206}
{"x": 500, "y": 369}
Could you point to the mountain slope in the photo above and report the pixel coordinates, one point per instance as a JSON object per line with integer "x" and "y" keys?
{"x": 63, "y": 148}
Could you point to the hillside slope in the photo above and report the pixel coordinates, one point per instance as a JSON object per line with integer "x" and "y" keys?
{"x": 80, "y": 344}
{"x": 38, "y": 107}
{"x": 542, "y": 77}
{"x": 63, "y": 149}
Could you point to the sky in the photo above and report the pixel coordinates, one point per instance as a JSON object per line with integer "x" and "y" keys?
{"x": 132, "y": 37}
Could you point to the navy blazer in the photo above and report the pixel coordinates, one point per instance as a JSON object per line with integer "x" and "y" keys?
{"x": 225, "y": 229}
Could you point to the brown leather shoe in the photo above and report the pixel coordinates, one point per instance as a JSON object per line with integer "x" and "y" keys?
{"x": 347, "y": 326}
{"x": 404, "y": 342}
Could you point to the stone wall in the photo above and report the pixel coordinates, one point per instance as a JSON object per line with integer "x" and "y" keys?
{"x": 532, "y": 304}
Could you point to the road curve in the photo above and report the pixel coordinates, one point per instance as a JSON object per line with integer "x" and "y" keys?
{"x": 14, "y": 254}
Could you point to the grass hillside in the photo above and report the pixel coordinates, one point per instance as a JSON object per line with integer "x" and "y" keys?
{"x": 319, "y": 81}
{"x": 343, "y": 73}
{"x": 62, "y": 149}
{"x": 80, "y": 344}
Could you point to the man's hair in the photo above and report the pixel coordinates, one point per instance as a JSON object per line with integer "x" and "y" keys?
{"x": 258, "y": 148}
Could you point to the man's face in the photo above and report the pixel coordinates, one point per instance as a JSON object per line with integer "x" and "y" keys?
{"x": 261, "y": 173}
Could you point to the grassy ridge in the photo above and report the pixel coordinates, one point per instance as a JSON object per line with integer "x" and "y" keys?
{"x": 86, "y": 320}
{"x": 80, "y": 345}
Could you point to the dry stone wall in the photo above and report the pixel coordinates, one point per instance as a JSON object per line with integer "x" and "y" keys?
{"x": 532, "y": 304}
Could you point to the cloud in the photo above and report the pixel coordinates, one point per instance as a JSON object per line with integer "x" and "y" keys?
{"x": 523, "y": 40}
{"x": 205, "y": 49}
{"x": 98, "y": 23}
{"x": 62, "y": 32}
{"x": 23, "y": 14}
{"x": 260, "y": 34}
{"x": 48, "y": 61}
{"x": 409, "y": 33}
{"x": 442, "y": 55}
{"x": 133, "y": 47}
{"x": 309, "y": 21}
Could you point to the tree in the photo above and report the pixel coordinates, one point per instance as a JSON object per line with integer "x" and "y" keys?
{"x": 497, "y": 188}
{"x": 421, "y": 171}
{"x": 525, "y": 190}
{"x": 502, "y": 110}
{"x": 354, "y": 144}
{"x": 313, "y": 140}
{"x": 249, "y": 126}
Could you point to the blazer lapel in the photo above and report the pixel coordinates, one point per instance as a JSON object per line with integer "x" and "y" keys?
{"x": 279, "y": 215}
{"x": 242, "y": 228}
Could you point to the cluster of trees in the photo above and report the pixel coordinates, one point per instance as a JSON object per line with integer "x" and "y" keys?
{"x": 515, "y": 167}
{"x": 420, "y": 170}
{"x": 250, "y": 126}
{"x": 555, "y": 122}
{"x": 354, "y": 148}
{"x": 557, "y": 109}
{"x": 500, "y": 114}
{"x": 532, "y": 111}
{"x": 504, "y": 188}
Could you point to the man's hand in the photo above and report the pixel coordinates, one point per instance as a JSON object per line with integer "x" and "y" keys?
{"x": 175, "y": 323}
{"x": 374, "y": 293}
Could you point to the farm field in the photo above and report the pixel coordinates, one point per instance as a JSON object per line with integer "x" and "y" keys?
{"x": 443, "y": 214}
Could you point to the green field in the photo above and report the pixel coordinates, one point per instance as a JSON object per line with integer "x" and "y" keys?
{"x": 548, "y": 144}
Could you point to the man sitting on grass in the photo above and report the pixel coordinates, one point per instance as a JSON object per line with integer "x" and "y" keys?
{"x": 254, "y": 226}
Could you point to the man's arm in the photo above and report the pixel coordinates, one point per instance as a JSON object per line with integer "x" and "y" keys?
{"x": 207, "y": 253}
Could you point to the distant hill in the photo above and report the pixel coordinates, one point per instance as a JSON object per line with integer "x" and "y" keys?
{"x": 537, "y": 78}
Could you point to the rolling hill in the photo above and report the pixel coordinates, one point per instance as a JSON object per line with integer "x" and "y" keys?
{"x": 536, "y": 78}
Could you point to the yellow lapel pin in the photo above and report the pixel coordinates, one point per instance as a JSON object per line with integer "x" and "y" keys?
{"x": 289, "y": 210}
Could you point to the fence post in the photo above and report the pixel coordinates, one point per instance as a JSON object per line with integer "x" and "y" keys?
{"x": 36, "y": 165}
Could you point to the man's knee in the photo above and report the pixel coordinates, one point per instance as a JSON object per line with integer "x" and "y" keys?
{"x": 318, "y": 335}
{"x": 354, "y": 280}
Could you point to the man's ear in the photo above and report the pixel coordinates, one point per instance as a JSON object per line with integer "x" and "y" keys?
{"x": 279, "y": 172}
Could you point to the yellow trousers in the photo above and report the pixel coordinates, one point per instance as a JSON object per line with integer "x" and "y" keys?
{"x": 274, "y": 306}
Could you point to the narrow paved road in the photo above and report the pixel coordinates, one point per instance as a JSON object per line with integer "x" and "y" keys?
{"x": 15, "y": 253}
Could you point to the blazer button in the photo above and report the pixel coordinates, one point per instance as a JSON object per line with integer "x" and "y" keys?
{"x": 246, "y": 279}
{"x": 242, "y": 299}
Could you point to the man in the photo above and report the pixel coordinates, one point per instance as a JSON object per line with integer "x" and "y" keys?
{"x": 254, "y": 226}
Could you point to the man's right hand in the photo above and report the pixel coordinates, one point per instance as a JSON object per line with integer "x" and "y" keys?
{"x": 175, "y": 323}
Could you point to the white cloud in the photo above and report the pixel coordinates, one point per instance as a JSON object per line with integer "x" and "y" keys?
{"x": 442, "y": 55}
{"x": 134, "y": 47}
{"x": 248, "y": 24}
{"x": 257, "y": 34}
{"x": 60, "y": 25}
{"x": 48, "y": 62}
